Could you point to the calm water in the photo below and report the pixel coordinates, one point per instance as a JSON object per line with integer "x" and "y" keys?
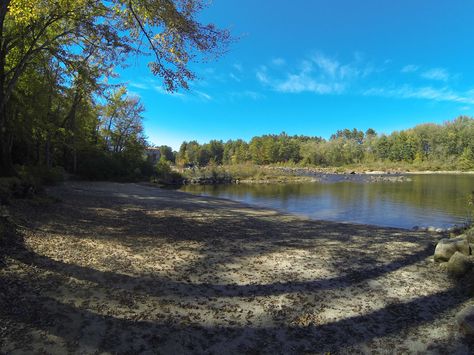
{"x": 427, "y": 200}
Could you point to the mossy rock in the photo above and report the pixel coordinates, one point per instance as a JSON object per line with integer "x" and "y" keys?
{"x": 446, "y": 248}
{"x": 460, "y": 264}
{"x": 470, "y": 235}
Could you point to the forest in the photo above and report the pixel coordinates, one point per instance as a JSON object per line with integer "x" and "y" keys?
{"x": 436, "y": 146}
{"x": 60, "y": 113}
{"x": 59, "y": 106}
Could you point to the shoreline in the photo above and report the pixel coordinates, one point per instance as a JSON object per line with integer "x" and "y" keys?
{"x": 282, "y": 175}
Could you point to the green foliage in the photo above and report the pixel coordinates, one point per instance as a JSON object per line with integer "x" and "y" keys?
{"x": 97, "y": 164}
{"x": 466, "y": 159}
{"x": 41, "y": 175}
{"x": 165, "y": 174}
{"x": 168, "y": 154}
{"x": 56, "y": 57}
{"x": 426, "y": 147}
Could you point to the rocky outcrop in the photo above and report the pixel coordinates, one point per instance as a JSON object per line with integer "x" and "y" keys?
{"x": 465, "y": 319}
{"x": 448, "y": 246}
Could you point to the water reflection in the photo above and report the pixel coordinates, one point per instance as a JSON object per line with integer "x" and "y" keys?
{"x": 427, "y": 200}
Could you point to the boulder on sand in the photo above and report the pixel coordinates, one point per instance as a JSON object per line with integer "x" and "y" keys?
{"x": 465, "y": 319}
{"x": 448, "y": 246}
{"x": 460, "y": 264}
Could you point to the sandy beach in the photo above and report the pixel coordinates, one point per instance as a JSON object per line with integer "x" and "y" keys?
{"x": 130, "y": 268}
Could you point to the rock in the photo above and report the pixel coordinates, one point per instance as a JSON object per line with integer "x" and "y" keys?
{"x": 460, "y": 264}
{"x": 447, "y": 247}
{"x": 465, "y": 319}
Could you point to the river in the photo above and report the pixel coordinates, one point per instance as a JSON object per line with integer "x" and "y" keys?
{"x": 437, "y": 200}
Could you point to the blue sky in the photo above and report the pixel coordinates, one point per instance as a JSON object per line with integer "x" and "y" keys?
{"x": 313, "y": 67}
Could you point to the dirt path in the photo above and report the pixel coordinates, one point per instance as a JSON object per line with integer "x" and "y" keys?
{"x": 127, "y": 268}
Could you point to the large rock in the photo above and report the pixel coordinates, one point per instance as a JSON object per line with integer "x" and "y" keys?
{"x": 447, "y": 247}
{"x": 465, "y": 319}
{"x": 470, "y": 235}
{"x": 460, "y": 264}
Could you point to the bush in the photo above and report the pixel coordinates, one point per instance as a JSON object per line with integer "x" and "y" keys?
{"x": 95, "y": 164}
{"x": 165, "y": 174}
{"x": 41, "y": 175}
{"x": 11, "y": 187}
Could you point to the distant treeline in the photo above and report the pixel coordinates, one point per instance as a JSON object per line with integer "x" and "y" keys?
{"x": 449, "y": 145}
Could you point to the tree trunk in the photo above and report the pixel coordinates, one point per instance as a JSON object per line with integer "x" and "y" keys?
{"x": 6, "y": 164}
{"x": 47, "y": 152}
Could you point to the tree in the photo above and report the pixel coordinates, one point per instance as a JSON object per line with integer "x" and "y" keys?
{"x": 122, "y": 121}
{"x": 216, "y": 151}
{"x": 167, "y": 153}
{"x": 90, "y": 34}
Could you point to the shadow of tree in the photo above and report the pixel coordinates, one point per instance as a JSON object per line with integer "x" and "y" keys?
{"x": 121, "y": 335}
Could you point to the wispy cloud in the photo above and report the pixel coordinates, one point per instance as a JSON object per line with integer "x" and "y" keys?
{"x": 235, "y": 77}
{"x": 410, "y": 68}
{"x": 303, "y": 82}
{"x": 141, "y": 86}
{"x": 439, "y": 74}
{"x": 202, "y": 95}
{"x": 318, "y": 74}
{"x": 238, "y": 67}
{"x": 262, "y": 75}
{"x": 153, "y": 85}
{"x": 426, "y": 93}
{"x": 278, "y": 62}
{"x": 159, "y": 89}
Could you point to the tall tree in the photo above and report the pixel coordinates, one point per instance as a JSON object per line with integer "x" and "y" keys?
{"x": 90, "y": 31}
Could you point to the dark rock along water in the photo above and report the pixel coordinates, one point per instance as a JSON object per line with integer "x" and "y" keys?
{"x": 438, "y": 200}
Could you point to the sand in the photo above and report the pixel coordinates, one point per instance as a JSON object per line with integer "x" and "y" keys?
{"x": 130, "y": 268}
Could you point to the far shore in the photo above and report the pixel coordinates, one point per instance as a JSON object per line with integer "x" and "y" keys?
{"x": 268, "y": 174}
{"x": 361, "y": 170}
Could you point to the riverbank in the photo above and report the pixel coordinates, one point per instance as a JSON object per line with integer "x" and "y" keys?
{"x": 131, "y": 268}
{"x": 254, "y": 174}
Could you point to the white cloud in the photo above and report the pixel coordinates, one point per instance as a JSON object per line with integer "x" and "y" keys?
{"x": 238, "y": 67}
{"x": 235, "y": 77}
{"x": 203, "y": 95}
{"x": 262, "y": 75}
{"x": 410, "y": 68}
{"x": 426, "y": 93}
{"x": 141, "y": 86}
{"x": 328, "y": 66}
{"x": 302, "y": 82}
{"x": 439, "y": 74}
{"x": 318, "y": 74}
{"x": 159, "y": 89}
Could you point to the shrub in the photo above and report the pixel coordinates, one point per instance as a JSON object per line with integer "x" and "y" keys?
{"x": 40, "y": 175}
{"x": 11, "y": 187}
{"x": 96, "y": 164}
{"x": 165, "y": 174}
